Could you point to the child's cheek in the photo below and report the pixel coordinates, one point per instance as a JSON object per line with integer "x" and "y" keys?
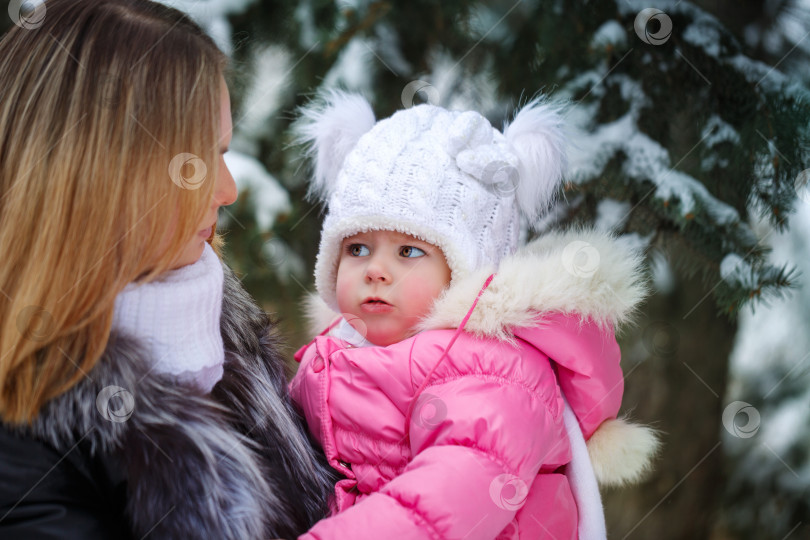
{"x": 422, "y": 301}
{"x": 344, "y": 287}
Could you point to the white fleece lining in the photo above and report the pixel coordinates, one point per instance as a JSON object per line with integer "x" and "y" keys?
{"x": 329, "y": 253}
{"x": 581, "y": 478}
{"x": 539, "y": 278}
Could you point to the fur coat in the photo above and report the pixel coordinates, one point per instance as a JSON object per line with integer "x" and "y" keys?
{"x": 127, "y": 452}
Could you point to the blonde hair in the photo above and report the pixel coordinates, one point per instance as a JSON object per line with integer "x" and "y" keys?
{"x": 95, "y": 105}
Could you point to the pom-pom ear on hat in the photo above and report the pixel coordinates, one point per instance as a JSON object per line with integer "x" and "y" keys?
{"x": 331, "y": 127}
{"x": 536, "y": 137}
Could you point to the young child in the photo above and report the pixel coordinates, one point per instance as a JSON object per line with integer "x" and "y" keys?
{"x": 440, "y": 388}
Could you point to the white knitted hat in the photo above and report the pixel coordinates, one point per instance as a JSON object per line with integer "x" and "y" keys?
{"x": 446, "y": 177}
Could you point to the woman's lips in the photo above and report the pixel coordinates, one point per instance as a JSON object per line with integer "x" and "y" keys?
{"x": 376, "y": 305}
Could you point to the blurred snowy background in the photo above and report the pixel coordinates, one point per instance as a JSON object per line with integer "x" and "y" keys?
{"x": 689, "y": 128}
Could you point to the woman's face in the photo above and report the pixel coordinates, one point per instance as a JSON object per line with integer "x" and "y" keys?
{"x": 224, "y": 192}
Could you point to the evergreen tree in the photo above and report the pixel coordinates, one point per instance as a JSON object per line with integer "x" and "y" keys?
{"x": 768, "y": 448}
{"x": 680, "y": 139}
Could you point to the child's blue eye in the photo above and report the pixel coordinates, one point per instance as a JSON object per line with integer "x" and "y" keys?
{"x": 358, "y": 250}
{"x": 410, "y": 251}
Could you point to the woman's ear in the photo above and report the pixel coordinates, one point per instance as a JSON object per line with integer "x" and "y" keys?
{"x": 537, "y": 138}
{"x": 330, "y": 128}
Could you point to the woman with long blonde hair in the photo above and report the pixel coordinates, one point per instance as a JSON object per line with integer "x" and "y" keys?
{"x": 140, "y": 387}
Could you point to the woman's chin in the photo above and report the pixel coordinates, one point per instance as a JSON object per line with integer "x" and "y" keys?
{"x": 191, "y": 254}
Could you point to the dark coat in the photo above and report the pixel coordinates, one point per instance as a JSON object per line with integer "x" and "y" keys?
{"x": 154, "y": 458}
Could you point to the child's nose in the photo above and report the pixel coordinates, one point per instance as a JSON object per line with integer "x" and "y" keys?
{"x": 376, "y": 271}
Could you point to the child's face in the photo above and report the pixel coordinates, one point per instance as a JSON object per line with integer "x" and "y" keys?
{"x": 387, "y": 281}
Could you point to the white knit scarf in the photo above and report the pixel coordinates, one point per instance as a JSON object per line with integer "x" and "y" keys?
{"x": 177, "y": 319}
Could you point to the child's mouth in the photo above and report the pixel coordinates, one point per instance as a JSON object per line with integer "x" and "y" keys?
{"x": 376, "y": 305}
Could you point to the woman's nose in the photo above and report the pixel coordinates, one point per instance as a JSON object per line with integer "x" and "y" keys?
{"x": 225, "y": 191}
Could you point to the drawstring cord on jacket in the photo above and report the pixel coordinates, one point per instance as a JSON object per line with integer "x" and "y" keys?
{"x": 444, "y": 354}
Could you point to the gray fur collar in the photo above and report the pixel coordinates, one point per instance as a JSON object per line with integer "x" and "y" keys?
{"x": 234, "y": 464}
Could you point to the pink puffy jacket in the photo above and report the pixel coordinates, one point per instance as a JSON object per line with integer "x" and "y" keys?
{"x": 472, "y": 446}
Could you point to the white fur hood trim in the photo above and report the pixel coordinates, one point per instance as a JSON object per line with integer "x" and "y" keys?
{"x": 587, "y": 272}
